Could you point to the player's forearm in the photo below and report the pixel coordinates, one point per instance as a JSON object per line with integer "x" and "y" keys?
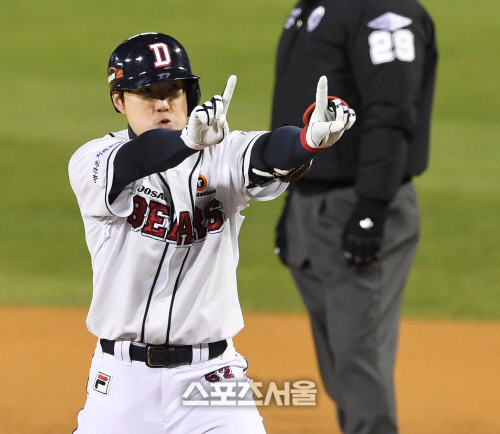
{"x": 280, "y": 149}
{"x": 153, "y": 151}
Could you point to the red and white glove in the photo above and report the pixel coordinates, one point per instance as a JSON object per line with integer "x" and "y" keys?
{"x": 326, "y": 120}
{"x": 207, "y": 124}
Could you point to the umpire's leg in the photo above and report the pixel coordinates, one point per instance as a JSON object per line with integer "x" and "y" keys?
{"x": 355, "y": 311}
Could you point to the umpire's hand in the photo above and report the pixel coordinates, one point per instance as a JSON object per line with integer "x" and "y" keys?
{"x": 363, "y": 233}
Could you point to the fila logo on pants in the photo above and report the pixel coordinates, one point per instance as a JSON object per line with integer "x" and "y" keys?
{"x": 101, "y": 383}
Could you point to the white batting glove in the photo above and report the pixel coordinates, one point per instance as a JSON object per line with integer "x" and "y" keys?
{"x": 329, "y": 119}
{"x": 207, "y": 124}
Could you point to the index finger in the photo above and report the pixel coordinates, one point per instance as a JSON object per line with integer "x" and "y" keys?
{"x": 228, "y": 92}
{"x": 322, "y": 94}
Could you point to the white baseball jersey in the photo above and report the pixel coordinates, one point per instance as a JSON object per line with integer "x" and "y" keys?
{"x": 165, "y": 252}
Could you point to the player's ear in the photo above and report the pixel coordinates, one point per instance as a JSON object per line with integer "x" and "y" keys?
{"x": 118, "y": 100}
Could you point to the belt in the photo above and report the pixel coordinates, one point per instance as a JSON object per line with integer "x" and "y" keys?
{"x": 164, "y": 356}
{"x": 318, "y": 186}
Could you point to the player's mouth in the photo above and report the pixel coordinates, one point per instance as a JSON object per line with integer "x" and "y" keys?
{"x": 165, "y": 123}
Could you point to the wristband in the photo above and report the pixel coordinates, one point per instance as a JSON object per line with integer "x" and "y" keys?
{"x": 190, "y": 143}
{"x": 310, "y": 109}
{"x": 303, "y": 140}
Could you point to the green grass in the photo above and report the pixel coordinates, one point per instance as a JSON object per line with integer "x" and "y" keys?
{"x": 55, "y": 98}
{"x": 456, "y": 268}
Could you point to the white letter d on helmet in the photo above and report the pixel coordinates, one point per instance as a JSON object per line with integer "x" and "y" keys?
{"x": 162, "y": 55}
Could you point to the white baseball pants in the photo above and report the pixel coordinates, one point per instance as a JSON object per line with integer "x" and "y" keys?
{"x": 128, "y": 397}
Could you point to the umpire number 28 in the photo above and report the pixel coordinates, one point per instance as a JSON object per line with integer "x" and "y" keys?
{"x": 387, "y": 46}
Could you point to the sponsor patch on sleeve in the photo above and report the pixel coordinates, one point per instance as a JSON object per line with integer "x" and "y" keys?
{"x": 389, "y": 21}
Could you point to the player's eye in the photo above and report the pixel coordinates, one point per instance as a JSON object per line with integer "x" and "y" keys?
{"x": 174, "y": 88}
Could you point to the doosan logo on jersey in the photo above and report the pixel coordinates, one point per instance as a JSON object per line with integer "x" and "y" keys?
{"x": 153, "y": 193}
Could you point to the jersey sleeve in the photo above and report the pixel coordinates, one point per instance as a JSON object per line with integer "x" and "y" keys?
{"x": 387, "y": 49}
{"x": 240, "y": 146}
{"x": 91, "y": 174}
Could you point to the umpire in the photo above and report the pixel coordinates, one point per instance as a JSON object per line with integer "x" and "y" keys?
{"x": 350, "y": 227}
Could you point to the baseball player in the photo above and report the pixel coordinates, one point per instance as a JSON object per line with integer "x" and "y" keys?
{"x": 161, "y": 203}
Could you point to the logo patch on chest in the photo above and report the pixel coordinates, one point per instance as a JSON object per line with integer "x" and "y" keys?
{"x": 102, "y": 382}
{"x": 202, "y": 183}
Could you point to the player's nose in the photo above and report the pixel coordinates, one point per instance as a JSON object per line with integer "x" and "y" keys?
{"x": 162, "y": 104}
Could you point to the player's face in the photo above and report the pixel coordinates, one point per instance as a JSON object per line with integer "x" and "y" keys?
{"x": 161, "y": 105}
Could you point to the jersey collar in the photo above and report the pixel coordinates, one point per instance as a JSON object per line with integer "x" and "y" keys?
{"x": 131, "y": 133}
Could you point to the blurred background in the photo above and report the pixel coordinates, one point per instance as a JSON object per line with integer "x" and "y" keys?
{"x": 55, "y": 98}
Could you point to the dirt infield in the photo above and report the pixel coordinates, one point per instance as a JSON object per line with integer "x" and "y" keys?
{"x": 447, "y": 374}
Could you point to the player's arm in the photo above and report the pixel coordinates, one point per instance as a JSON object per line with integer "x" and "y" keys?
{"x": 279, "y": 155}
{"x": 285, "y": 154}
{"x": 153, "y": 151}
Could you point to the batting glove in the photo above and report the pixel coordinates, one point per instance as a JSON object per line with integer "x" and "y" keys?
{"x": 326, "y": 120}
{"x": 364, "y": 231}
{"x": 207, "y": 124}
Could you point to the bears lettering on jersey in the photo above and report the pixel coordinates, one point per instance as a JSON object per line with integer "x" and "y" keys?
{"x": 154, "y": 220}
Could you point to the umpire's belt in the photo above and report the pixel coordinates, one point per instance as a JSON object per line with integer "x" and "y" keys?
{"x": 164, "y": 356}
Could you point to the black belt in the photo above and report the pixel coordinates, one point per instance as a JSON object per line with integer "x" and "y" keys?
{"x": 164, "y": 356}
{"x": 318, "y": 186}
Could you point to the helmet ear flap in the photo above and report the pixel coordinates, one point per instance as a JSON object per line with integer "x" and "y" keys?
{"x": 193, "y": 94}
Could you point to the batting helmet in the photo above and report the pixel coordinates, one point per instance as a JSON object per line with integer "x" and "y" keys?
{"x": 150, "y": 58}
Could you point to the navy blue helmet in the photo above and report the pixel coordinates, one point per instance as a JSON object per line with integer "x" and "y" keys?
{"x": 151, "y": 58}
